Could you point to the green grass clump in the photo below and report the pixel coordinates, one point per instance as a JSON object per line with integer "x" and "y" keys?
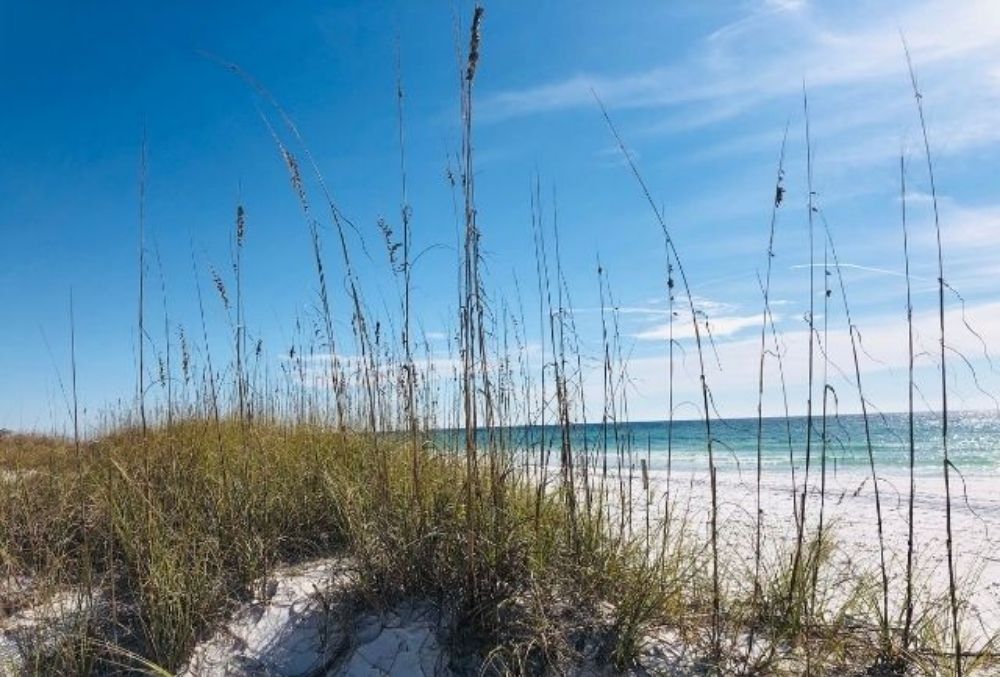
{"x": 173, "y": 527}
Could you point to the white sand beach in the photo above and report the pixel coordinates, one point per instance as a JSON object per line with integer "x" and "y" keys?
{"x": 849, "y": 514}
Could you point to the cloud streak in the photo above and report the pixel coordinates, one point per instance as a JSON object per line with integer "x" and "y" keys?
{"x": 767, "y": 53}
{"x": 717, "y": 327}
{"x": 883, "y": 365}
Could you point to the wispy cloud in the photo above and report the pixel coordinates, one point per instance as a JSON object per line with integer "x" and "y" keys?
{"x": 717, "y": 327}
{"x": 882, "y": 363}
{"x": 643, "y": 311}
{"x": 767, "y": 53}
{"x": 852, "y": 266}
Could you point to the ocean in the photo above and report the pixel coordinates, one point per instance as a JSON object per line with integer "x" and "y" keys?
{"x": 973, "y": 442}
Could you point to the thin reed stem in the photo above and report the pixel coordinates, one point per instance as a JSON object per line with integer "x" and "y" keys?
{"x": 714, "y": 514}
{"x": 142, "y": 280}
{"x": 946, "y": 461}
{"x": 908, "y": 602}
{"x": 779, "y": 194}
{"x": 852, "y": 330}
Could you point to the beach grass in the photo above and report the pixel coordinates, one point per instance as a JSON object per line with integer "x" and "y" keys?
{"x": 164, "y": 533}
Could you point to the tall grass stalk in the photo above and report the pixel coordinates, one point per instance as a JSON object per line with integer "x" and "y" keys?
{"x": 295, "y": 176}
{"x": 670, "y": 390}
{"x": 811, "y": 210}
{"x": 576, "y": 351}
{"x": 853, "y": 331}
{"x": 824, "y": 439}
{"x": 564, "y": 414}
{"x": 409, "y": 368}
{"x": 72, "y": 363}
{"x": 544, "y": 306}
{"x": 946, "y": 463}
{"x": 779, "y": 193}
{"x": 86, "y": 573}
{"x": 240, "y": 334}
{"x": 607, "y": 377}
{"x": 714, "y": 512}
{"x": 908, "y": 602}
{"x": 142, "y": 279}
{"x": 472, "y": 330}
{"x": 212, "y": 392}
{"x": 166, "y": 373}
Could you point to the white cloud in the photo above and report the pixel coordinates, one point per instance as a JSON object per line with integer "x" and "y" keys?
{"x": 717, "y": 327}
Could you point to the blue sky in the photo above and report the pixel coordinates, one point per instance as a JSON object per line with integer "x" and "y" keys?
{"x": 700, "y": 91}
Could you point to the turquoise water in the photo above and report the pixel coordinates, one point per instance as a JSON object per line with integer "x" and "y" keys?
{"x": 973, "y": 439}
